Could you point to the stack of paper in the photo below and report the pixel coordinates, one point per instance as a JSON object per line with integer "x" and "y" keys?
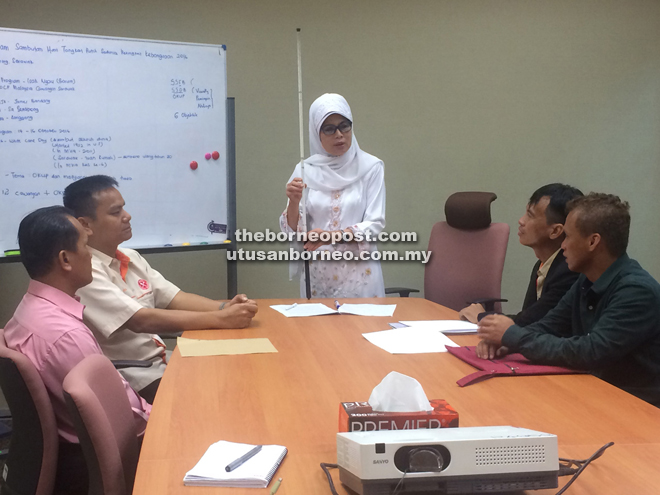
{"x": 256, "y": 472}
{"x": 444, "y": 326}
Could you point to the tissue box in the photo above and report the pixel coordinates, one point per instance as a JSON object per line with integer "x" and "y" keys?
{"x": 358, "y": 416}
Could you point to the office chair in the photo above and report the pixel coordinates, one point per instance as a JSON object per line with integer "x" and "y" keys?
{"x": 5, "y": 432}
{"x": 467, "y": 257}
{"x": 103, "y": 419}
{"x": 31, "y": 463}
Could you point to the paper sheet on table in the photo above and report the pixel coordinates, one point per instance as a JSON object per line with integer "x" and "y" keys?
{"x": 317, "y": 309}
{"x": 198, "y": 347}
{"x": 444, "y": 326}
{"x": 368, "y": 309}
{"x": 305, "y": 309}
{"x": 410, "y": 340}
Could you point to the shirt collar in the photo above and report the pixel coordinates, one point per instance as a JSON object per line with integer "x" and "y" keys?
{"x": 604, "y": 281}
{"x": 62, "y": 300}
{"x": 544, "y": 267}
{"x": 104, "y": 258}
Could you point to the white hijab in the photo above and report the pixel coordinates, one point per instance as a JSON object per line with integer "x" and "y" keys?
{"x": 326, "y": 172}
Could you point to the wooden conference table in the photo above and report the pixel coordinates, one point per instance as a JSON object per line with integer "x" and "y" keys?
{"x": 292, "y": 398}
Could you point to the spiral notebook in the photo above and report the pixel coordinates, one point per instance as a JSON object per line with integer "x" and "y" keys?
{"x": 256, "y": 472}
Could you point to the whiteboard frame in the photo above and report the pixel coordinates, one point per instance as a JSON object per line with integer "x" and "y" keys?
{"x": 100, "y": 37}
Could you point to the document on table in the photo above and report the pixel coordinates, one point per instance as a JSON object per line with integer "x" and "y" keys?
{"x": 198, "y": 347}
{"x": 368, "y": 309}
{"x": 444, "y": 326}
{"x": 305, "y": 309}
{"x": 256, "y": 472}
{"x": 318, "y": 309}
{"x": 409, "y": 340}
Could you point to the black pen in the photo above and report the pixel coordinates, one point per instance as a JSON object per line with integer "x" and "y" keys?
{"x": 241, "y": 460}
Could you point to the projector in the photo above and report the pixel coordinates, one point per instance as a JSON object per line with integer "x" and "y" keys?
{"x": 487, "y": 459}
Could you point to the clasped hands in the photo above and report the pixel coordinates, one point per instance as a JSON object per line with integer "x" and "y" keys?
{"x": 490, "y": 331}
{"x": 239, "y": 311}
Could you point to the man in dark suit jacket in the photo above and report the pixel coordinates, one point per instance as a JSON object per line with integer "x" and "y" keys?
{"x": 542, "y": 229}
{"x": 557, "y": 282}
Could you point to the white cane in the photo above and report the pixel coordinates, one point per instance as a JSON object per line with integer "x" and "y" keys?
{"x": 308, "y": 290}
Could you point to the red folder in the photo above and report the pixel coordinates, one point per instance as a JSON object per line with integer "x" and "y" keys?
{"x": 509, "y": 365}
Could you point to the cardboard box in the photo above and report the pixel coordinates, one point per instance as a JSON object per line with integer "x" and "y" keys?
{"x": 358, "y": 416}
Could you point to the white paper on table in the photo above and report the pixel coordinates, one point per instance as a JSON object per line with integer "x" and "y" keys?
{"x": 305, "y": 309}
{"x": 410, "y": 340}
{"x": 444, "y": 326}
{"x": 318, "y": 309}
{"x": 368, "y": 309}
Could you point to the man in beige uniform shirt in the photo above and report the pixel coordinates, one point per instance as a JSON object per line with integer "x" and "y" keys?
{"x": 128, "y": 302}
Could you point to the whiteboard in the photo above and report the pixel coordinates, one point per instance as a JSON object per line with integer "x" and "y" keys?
{"x": 140, "y": 111}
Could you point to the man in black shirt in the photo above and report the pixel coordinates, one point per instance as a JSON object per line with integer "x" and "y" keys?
{"x": 542, "y": 229}
{"x": 608, "y": 322}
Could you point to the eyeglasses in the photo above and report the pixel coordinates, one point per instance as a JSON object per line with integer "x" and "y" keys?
{"x": 343, "y": 127}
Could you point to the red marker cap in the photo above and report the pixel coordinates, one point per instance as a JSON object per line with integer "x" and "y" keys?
{"x": 207, "y": 156}
{"x": 216, "y": 155}
{"x": 193, "y": 165}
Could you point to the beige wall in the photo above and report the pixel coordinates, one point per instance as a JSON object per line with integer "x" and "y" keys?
{"x": 500, "y": 95}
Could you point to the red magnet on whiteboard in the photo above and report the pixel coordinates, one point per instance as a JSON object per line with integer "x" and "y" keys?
{"x": 193, "y": 165}
{"x": 207, "y": 156}
{"x": 216, "y": 155}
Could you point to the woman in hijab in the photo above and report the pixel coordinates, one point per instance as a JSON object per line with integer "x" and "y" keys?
{"x": 346, "y": 193}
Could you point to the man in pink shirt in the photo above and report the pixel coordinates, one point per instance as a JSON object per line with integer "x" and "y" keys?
{"x": 48, "y": 327}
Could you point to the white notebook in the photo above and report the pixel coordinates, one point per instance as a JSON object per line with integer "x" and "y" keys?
{"x": 256, "y": 472}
